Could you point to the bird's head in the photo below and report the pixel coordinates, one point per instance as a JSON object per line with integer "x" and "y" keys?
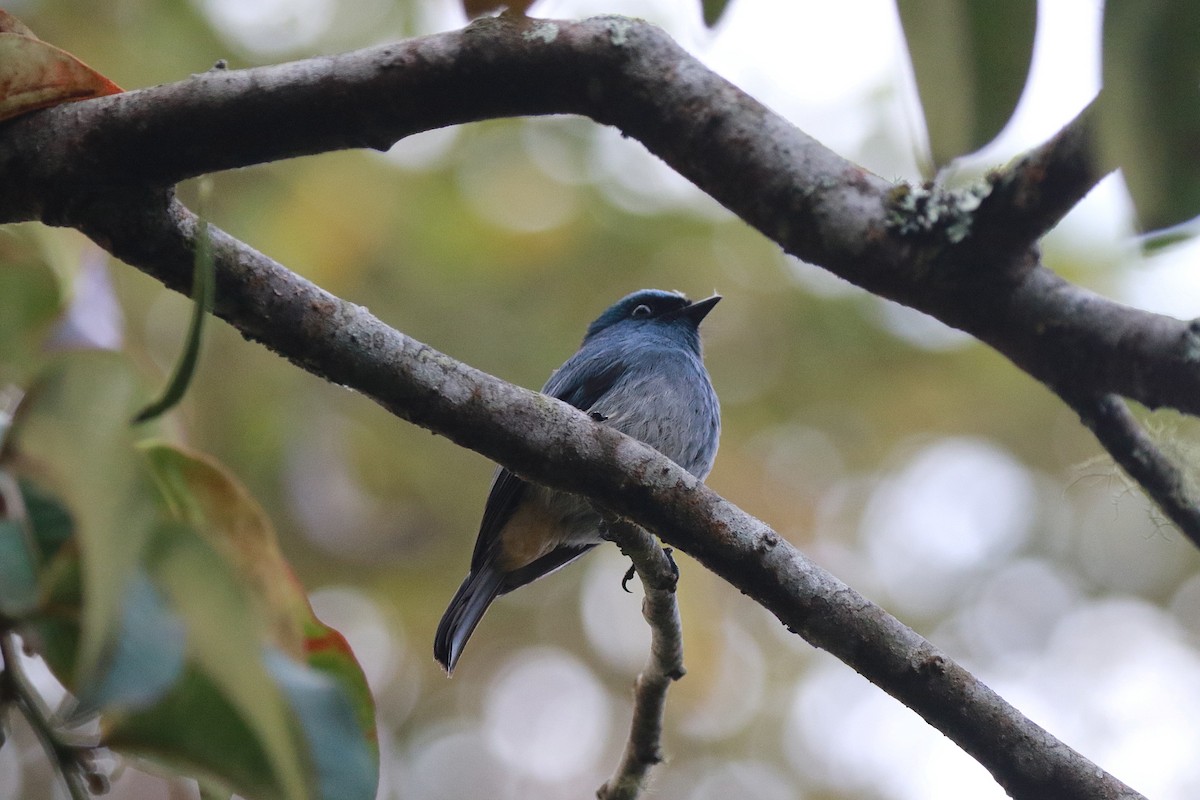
{"x": 654, "y": 310}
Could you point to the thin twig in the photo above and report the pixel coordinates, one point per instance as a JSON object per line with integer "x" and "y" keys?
{"x": 64, "y": 757}
{"x": 1110, "y": 420}
{"x": 664, "y": 665}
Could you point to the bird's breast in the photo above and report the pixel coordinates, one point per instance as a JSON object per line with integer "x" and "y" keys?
{"x": 670, "y": 405}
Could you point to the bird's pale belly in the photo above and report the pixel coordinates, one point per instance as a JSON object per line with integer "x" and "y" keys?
{"x": 546, "y": 521}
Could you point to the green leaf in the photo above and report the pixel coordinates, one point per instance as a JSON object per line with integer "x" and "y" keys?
{"x": 18, "y": 575}
{"x": 196, "y": 730}
{"x": 205, "y": 495}
{"x": 225, "y": 642}
{"x": 971, "y": 60}
{"x": 147, "y": 657}
{"x": 216, "y": 667}
{"x": 51, "y": 523}
{"x": 202, "y": 493}
{"x": 55, "y": 625}
{"x": 347, "y": 766}
{"x": 204, "y": 287}
{"x": 1150, "y": 106}
{"x": 73, "y": 438}
{"x": 30, "y": 298}
{"x": 187, "y": 722}
{"x": 713, "y": 9}
{"x": 213, "y": 793}
{"x": 329, "y": 653}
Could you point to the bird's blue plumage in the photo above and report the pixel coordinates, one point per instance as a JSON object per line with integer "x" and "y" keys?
{"x": 640, "y": 370}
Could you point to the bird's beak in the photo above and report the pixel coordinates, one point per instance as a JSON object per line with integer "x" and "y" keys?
{"x": 698, "y": 310}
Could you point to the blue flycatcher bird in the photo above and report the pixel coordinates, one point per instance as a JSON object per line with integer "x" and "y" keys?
{"x": 639, "y": 370}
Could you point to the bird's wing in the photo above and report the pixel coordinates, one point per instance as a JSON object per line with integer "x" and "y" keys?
{"x": 580, "y": 382}
{"x": 503, "y": 499}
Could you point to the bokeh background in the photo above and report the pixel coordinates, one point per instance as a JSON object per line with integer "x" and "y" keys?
{"x": 914, "y": 463}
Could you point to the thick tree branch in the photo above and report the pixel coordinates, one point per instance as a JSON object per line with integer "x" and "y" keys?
{"x": 56, "y": 163}
{"x": 817, "y": 205}
{"x": 1033, "y": 195}
{"x": 549, "y": 442}
{"x": 659, "y": 575}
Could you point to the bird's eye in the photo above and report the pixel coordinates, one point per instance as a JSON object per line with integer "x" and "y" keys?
{"x": 642, "y": 311}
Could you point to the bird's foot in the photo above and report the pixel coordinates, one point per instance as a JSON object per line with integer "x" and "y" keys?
{"x": 667, "y": 551}
{"x": 628, "y": 577}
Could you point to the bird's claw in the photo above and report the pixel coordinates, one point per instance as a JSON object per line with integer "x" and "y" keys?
{"x": 628, "y": 577}
{"x": 633, "y": 570}
{"x": 671, "y": 559}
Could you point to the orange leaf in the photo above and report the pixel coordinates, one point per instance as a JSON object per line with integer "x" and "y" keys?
{"x": 329, "y": 652}
{"x": 10, "y": 24}
{"x": 35, "y": 75}
{"x": 206, "y": 495}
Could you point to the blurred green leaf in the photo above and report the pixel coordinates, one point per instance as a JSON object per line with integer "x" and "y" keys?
{"x": 713, "y": 9}
{"x": 213, "y": 793}
{"x": 73, "y": 439}
{"x": 971, "y": 60}
{"x": 1150, "y": 107}
{"x": 196, "y": 730}
{"x": 329, "y": 653}
{"x": 147, "y": 657}
{"x": 202, "y": 493}
{"x": 18, "y": 575}
{"x": 347, "y": 764}
{"x": 154, "y": 706}
{"x": 204, "y": 287}
{"x": 225, "y": 639}
{"x": 54, "y": 628}
{"x": 30, "y": 298}
{"x": 49, "y": 520}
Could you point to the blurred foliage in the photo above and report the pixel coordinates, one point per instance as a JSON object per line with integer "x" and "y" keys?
{"x": 971, "y": 60}
{"x": 36, "y": 74}
{"x": 1150, "y": 115}
{"x": 713, "y": 9}
{"x": 151, "y": 584}
{"x": 497, "y": 243}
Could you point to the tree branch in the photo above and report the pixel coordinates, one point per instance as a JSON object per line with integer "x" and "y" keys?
{"x": 817, "y": 205}
{"x": 104, "y": 166}
{"x": 1033, "y": 195}
{"x": 549, "y": 442}
{"x": 1112, "y": 423}
{"x": 664, "y": 665}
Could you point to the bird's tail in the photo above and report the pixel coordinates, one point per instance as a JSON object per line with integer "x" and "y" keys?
{"x": 463, "y": 614}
